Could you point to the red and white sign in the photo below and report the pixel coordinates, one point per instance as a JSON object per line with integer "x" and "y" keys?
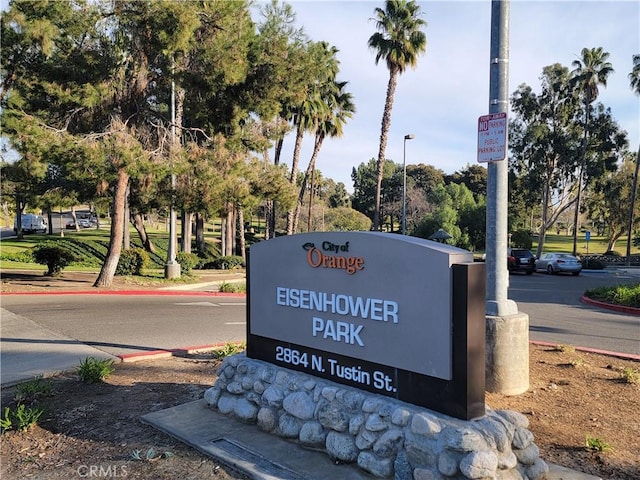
{"x": 492, "y": 137}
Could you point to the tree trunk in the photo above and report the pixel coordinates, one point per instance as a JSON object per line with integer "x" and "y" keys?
{"x": 50, "y": 220}
{"x": 20, "y": 204}
{"x": 384, "y": 133}
{"x": 75, "y": 219}
{"x": 632, "y": 205}
{"x": 185, "y": 240}
{"x": 200, "y": 243}
{"x": 543, "y": 224}
{"x": 294, "y": 172}
{"x": 5, "y": 213}
{"x": 108, "y": 270}
{"x": 241, "y": 243}
{"x": 269, "y": 228}
{"x": 305, "y": 181}
{"x": 138, "y": 224}
{"x": 583, "y": 162}
{"x": 126, "y": 234}
{"x": 311, "y": 189}
{"x": 227, "y": 233}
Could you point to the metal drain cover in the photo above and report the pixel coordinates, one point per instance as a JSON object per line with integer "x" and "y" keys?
{"x": 249, "y": 460}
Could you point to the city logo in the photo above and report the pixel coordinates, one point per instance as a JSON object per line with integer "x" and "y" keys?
{"x": 328, "y": 256}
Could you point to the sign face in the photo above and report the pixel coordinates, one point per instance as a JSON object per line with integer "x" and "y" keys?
{"x": 366, "y": 309}
{"x": 492, "y": 137}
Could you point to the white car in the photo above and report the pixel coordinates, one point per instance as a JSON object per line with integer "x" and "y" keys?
{"x": 553, "y": 263}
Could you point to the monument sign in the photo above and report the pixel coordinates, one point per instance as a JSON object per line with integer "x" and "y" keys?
{"x": 394, "y": 315}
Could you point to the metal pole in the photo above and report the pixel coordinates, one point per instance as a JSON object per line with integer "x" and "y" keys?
{"x": 172, "y": 268}
{"x": 507, "y": 330}
{"x": 497, "y": 178}
{"x": 409, "y": 136}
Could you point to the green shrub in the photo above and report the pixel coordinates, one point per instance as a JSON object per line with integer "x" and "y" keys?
{"x": 187, "y": 261}
{"x": 132, "y": 262}
{"x": 597, "y": 445}
{"x": 521, "y": 239}
{"x": 630, "y": 375}
{"x": 227, "y": 263}
{"x": 612, "y": 253}
{"x": 230, "y": 349}
{"x": 33, "y": 390}
{"x": 54, "y": 256}
{"x": 20, "y": 419}
{"x": 209, "y": 254}
{"x": 626, "y": 295}
{"x": 24, "y": 256}
{"x": 150, "y": 456}
{"x": 92, "y": 370}
{"x": 235, "y": 287}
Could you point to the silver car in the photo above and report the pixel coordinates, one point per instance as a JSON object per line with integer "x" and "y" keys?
{"x": 559, "y": 263}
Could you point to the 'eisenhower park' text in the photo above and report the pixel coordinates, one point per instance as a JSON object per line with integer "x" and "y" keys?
{"x": 358, "y": 307}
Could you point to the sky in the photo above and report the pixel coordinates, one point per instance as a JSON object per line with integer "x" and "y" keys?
{"x": 440, "y": 101}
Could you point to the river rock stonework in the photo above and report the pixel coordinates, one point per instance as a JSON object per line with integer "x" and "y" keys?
{"x": 384, "y": 437}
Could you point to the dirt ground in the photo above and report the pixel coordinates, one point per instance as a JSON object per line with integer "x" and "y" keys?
{"x": 573, "y": 396}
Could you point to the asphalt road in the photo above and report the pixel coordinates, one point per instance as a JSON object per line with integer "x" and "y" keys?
{"x": 556, "y": 314}
{"x": 124, "y": 324}
{"x": 121, "y": 325}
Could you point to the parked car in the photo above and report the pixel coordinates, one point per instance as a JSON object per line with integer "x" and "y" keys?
{"x": 82, "y": 223}
{"x": 553, "y": 263}
{"x": 31, "y": 223}
{"x": 521, "y": 260}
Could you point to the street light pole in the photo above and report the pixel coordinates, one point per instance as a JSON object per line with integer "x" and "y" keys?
{"x": 172, "y": 267}
{"x": 409, "y": 136}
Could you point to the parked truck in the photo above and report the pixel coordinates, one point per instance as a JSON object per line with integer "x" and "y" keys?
{"x": 31, "y": 223}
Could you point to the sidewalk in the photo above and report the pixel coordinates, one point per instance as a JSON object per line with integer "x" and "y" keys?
{"x": 29, "y": 350}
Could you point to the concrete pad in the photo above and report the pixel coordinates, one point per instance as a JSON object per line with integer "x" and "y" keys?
{"x": 28, "y": 350}
{"x": 263, "y": 456}
{"x": 243, "y": 447}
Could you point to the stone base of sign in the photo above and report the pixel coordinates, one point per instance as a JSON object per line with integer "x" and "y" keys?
{"x": 383, "y": 436}
{"x": 507, "y": 354}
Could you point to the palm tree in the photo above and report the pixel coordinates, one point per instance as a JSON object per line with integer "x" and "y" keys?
{"x": 340, "y": 107}
{"x": 589, "y": 72}
{"x": 634, "y": 76}
{"x": 634, "y": 82}
{"x": 323, "y": 68}
{"x": 399, "y": 41}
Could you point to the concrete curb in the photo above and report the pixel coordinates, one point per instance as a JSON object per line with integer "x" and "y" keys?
{"x": 608, "y": 306}
{"x": 176, "y": 352}
{"x": 131, "y": 292}
{"x": 608, "y": 353}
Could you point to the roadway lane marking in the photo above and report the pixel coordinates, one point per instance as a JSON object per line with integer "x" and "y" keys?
{"x": 198, "y": 304}
{"x": 223, "y": 304}
{"x": 235, "y": 323}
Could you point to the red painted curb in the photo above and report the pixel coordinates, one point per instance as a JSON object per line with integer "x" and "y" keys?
{"x": 131, "y": 292}
{"x": 608, "y": 306}
{"x": 624, "y": 356}
{"x": 132, "y": 357}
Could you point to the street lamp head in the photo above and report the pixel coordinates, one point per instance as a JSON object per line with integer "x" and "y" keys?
{"x": 409, "y": 136}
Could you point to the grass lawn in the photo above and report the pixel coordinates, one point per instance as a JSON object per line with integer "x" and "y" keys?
{"x": 595, "y": 246}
